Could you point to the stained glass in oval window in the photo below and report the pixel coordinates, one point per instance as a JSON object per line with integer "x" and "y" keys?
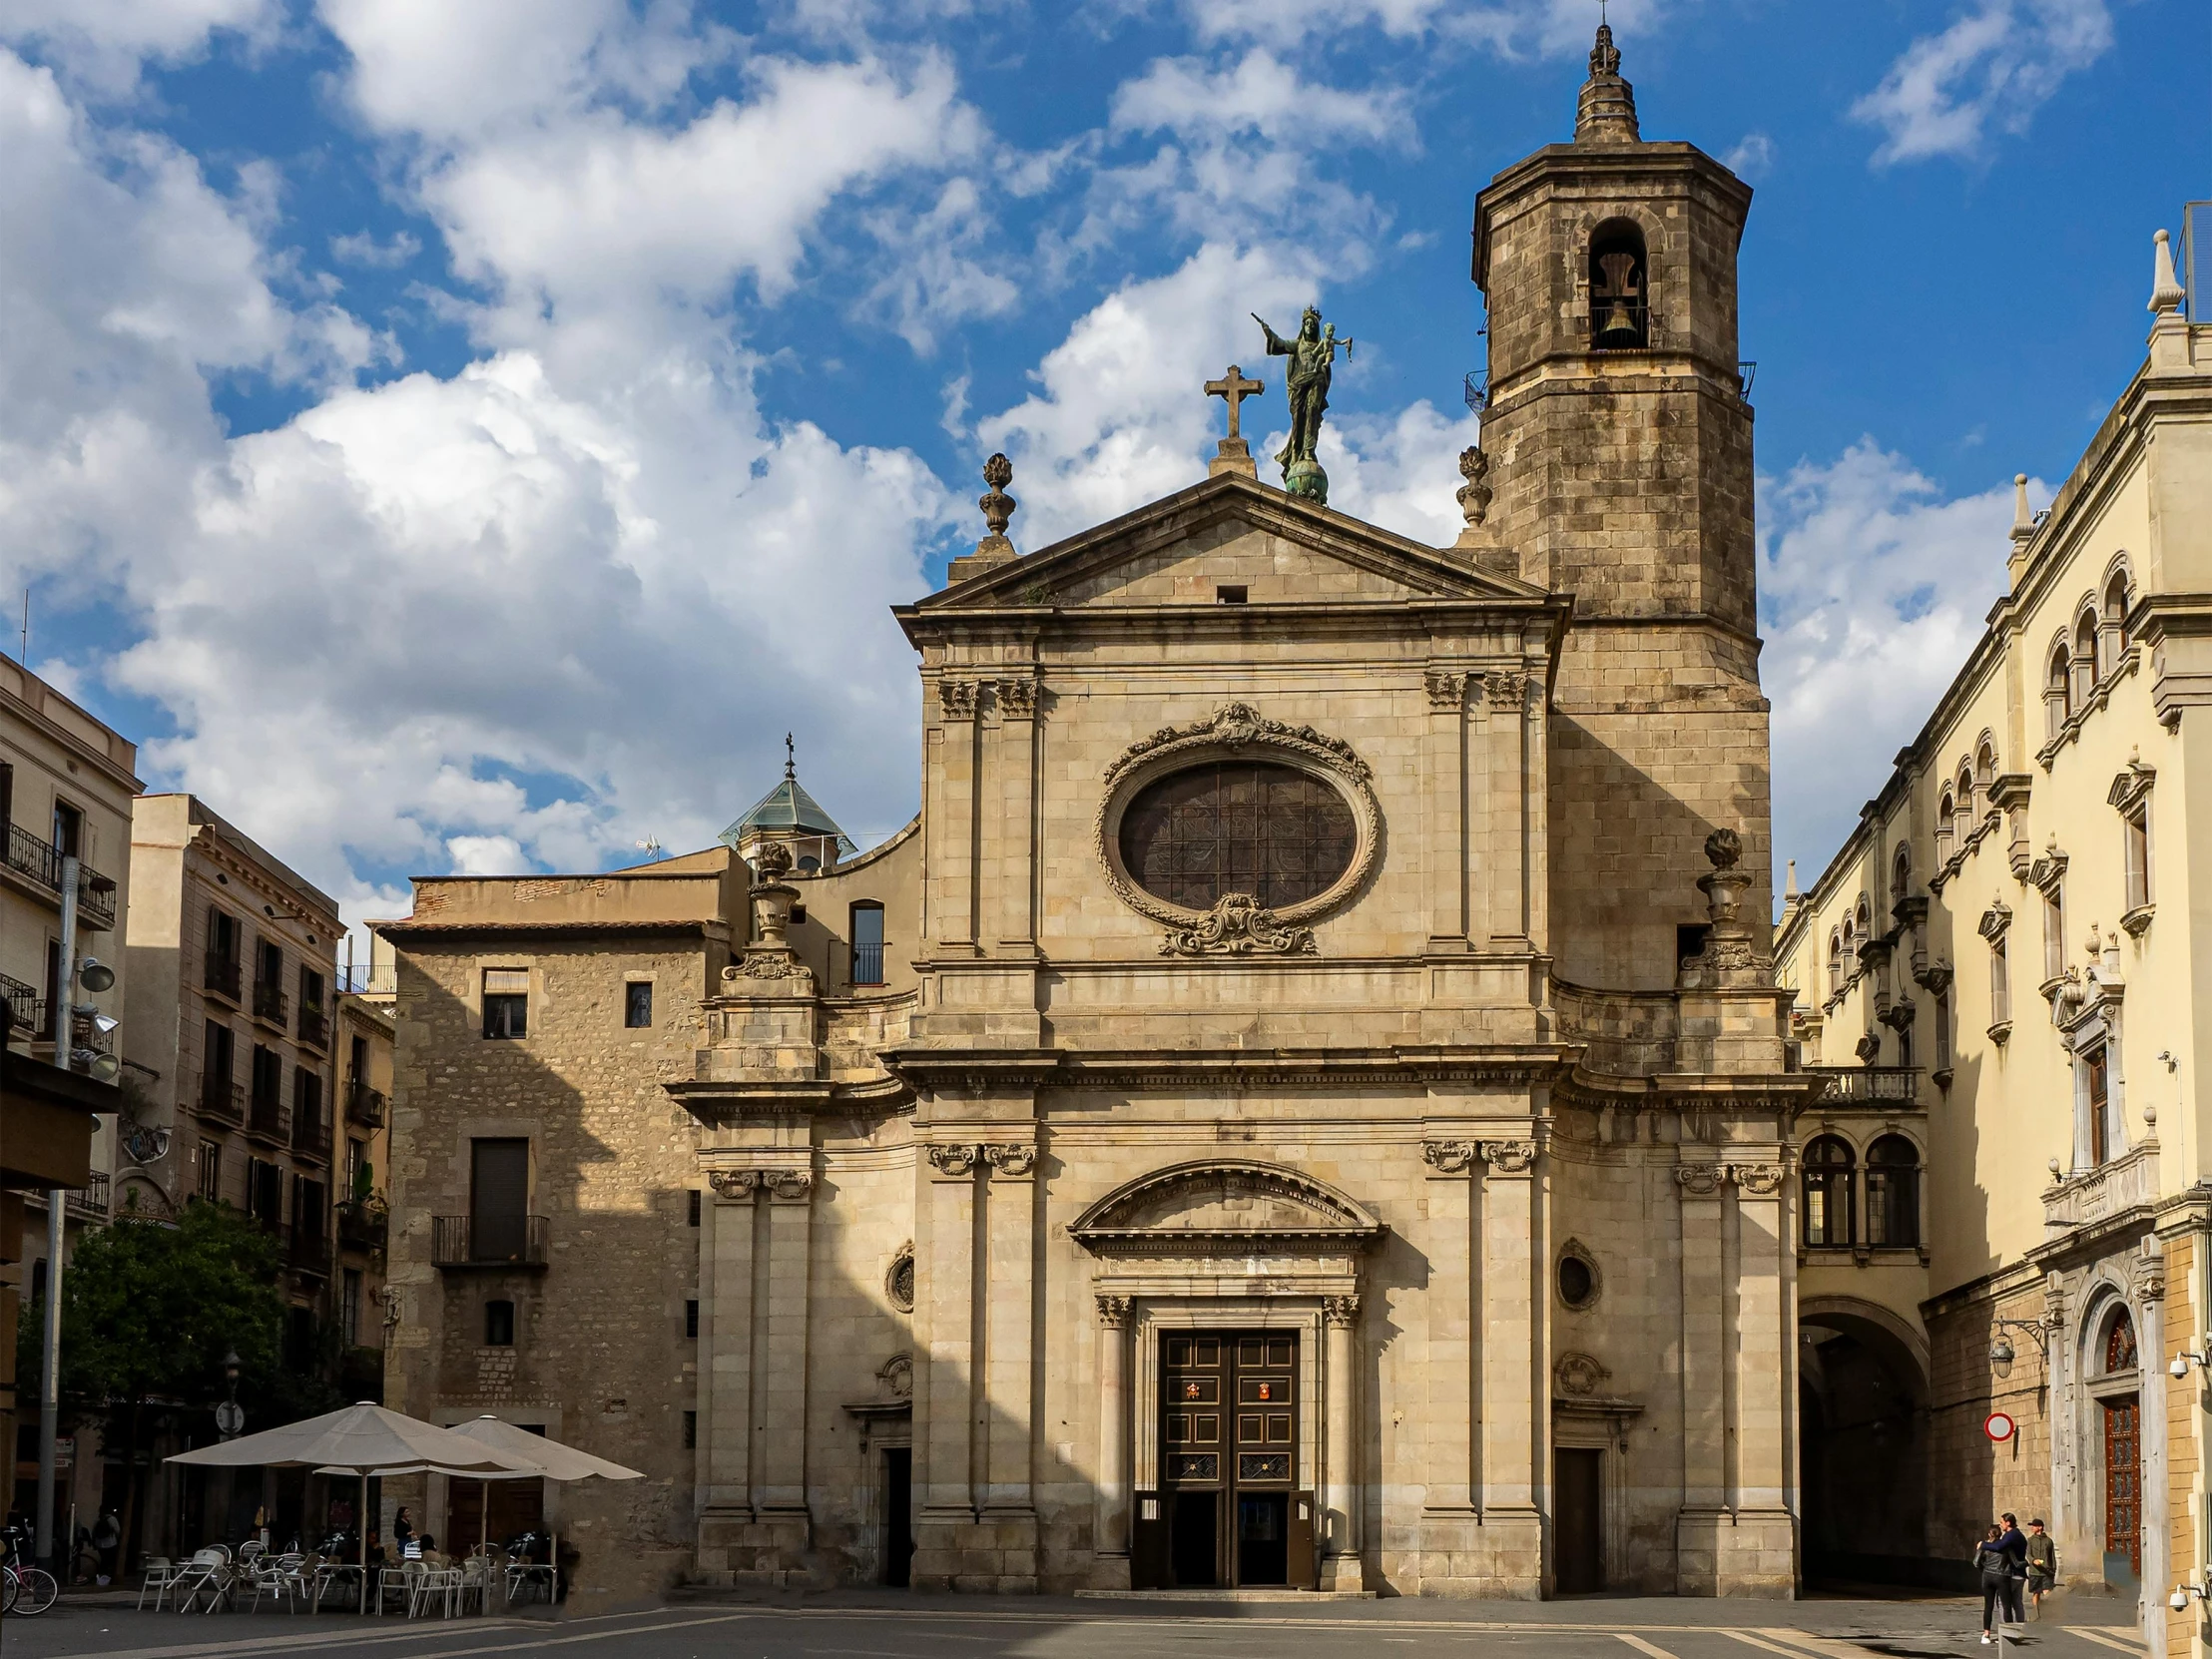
{"x": 1237, "y": 827}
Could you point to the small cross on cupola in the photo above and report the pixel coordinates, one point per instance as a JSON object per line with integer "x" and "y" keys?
{"x": 1234, "y": 454}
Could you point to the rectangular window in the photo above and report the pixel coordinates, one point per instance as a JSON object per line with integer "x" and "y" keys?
{"x": 2101, "y": 1137}
{"x": 2054, "y": 934}
{"x": 2001, "y": 981}
{"x": 691, "y": 1321}
{"x": 637, "y": 1004}
{"x": 349, "y": 1309}
{"x": 69, "y": 831}
{"x": 1904, "y": 1046}
{"x": 306, "y": 1106}
{"x": 2137, "y": 832}
{"x": 499, "y": 1325}
{"x": 269, "y": 1085}
{"x": 507, "y": 1002}
{"x": 498, "y": 1200}
{"x": 264, "y": 1193}
{"x": 310, "y": 1208}
{"x": 694, "y": 1205}
{"x": 1942, "y": 1033}
{"x": 691, "y": 1430}
{"x": 211, "y": 1171}
{"x": 356, "y": 1160}
{"x": 867, "y": 943}
{"x": 222, "y": 965}
{"x": 7, "y": 795}
{"x": 357, "y": 1061}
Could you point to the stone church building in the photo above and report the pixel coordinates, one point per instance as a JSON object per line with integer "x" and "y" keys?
{"x": 1304, "y": 1104}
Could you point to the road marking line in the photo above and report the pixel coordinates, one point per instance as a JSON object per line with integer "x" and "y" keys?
{"x": 1823, "y": 1647}
{"x": 1749, "y": 1640}
{"x": 2089, "y": 1635}
{"x": 1642, "y": 1646}
{"x": 277, "y": 1644}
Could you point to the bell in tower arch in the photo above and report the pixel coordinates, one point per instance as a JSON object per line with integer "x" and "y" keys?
{"x": 1620, "y": 312}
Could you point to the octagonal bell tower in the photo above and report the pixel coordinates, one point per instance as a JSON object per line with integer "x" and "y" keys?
{"x": 1622, "y": 446}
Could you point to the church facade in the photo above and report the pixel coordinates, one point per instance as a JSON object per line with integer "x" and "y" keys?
{"x": 1304, "y": 1104}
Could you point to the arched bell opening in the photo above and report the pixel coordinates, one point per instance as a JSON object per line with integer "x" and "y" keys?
{"x": 1863, "y": 1448}
{"x": 1621, "y": 301}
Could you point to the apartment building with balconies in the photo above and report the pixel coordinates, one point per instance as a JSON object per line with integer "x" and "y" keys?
{"x": 235, "y": 1034}
{"x": 66, "y": 787}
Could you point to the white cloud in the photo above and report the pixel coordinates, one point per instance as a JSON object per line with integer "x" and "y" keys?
{"x": 1260, "y": 94}
{"x": 486, "y": 855}
{"x": 102, "y": 43}
{"x": 1873, "y": 590}
{"x": 1513, "y": 27}
{"x": 1751, "y": 157}
{"x": 362, "y": 247}
{"x": 1993, "y": 67}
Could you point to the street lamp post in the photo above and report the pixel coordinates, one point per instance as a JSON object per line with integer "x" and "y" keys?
{"x": 62, "y": 1015}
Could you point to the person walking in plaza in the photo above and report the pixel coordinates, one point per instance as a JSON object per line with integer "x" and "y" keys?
{"x": 1995, "y": 1569}
{"x": 2042, "y": 1564}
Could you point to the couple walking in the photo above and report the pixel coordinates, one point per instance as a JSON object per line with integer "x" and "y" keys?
{"x": 2006, "y": 1558}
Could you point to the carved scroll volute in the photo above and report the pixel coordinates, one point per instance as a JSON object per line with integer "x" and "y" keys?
{"x": 734, "y": 1186}
{"x": 953, "y": 1163}
{"x": 788, "y": 1186}
{"x": 1509, "y": 1157}
{"x": 1448, "y": 1157}
{"x": 1760, "y": 1180}
{"x": 1700, "y": 1180}
{"x": 1010, "y": 1161}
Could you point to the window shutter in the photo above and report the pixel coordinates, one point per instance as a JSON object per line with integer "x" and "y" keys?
{"x": 506, "y": 981}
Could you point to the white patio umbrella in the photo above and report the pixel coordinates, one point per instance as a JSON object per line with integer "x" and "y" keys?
{"x": 526, "y": 1455}
{"x": 361, "y": 1440}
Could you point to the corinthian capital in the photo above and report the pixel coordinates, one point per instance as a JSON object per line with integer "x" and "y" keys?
{"x": 1341, "y": 1309}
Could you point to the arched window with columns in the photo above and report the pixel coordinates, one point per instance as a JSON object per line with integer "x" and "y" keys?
{"x": 1892, "y": 1192}
{"x": 1829, "y": 1172}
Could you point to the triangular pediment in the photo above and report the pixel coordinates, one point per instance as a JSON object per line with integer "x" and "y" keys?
{"x": 1230, "y": 530}
{"x": 1220, "y": 1204}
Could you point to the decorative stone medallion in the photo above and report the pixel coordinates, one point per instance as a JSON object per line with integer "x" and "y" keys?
{"x": 1238, "y": 925}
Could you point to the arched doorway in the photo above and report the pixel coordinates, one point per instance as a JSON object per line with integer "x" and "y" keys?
{"x": 1862, "y": 1450}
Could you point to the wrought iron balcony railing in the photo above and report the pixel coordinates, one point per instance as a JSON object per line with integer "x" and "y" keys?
{"x": 222, "y": 975}
{"x": 222, "y": 1098}
{"x": 41, "y": 862}
{"x": 26, "y": 1007}
{"x": 361, "y": 1227}
{"x": 90, "y": 1201}
{"x": 271, "y": 1003}
{"x": 314, "y": 1026}
{"x": 868, "y": 964}
{"x": 487, "y": 1241}
{"x": 310, "y": 1134}
{"x": 309, "y": 1251}
{"x": 364, "y": 1105}
{"x": 265, "y": 1117}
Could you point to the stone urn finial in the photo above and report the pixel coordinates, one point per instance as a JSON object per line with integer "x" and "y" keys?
{"x": 1725, "y": 848}
{"x": 773, "y": 895}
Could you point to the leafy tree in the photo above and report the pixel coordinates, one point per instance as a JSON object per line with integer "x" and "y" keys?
{"x": 149, "y": 1311}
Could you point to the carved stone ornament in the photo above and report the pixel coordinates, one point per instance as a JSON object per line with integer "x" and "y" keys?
{"x": 1237, "y": 925}
{"x": 1474, "y": 494}
{"x": 1724, "y": 848}
{"x": 1504, "y": 688}
{"x": 1017, "y": 699}
{"x": 898, "y": 1278}
{"x": 788, "y": 1186}
{"x": 1509, "y": 1157}
{"x": 1761, "y": 1179}
{"x": 1011, "y": 1160}
{"x": 896, "y": 1374}
{"x": 1868, "y": 1048}
{"x": 771, "y": 964}
{"x": 1447, "y": 687}
{"x": 1450, "y": 1157}
{"x": 1578, "y": 1376}
{"x": 1113, "y": 1311}
{"x": 957, "y": 698}
{"x": 953, "y": 1160}
{"x": 1341, "y": 1310}
{"x": 1699, "y": 1180}
{"x": 772, "y": 861}
{"x": 2146, "y": 1277}
{"x": 734, "y": 1183}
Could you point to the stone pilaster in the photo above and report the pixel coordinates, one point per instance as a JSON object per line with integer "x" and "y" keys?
{"x": 1759, "y": 1546}
{"x": 1341, "y": 1493}
{"x": 1006, "y": 1418}
{"x": 1110, "y": 1512}
{"x": 1701, "y": 1189}
{"x": 1444, "y": 807}
{"x": 951, "y": 816}
{"x": 945, "y": 1394}
{"x": 1516, "y": 1398}
{"x": 783, "y": 1403}
{"x": 1011, "y": 856}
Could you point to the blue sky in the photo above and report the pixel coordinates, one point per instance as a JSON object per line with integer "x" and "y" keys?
{"x": 470, "y": 436}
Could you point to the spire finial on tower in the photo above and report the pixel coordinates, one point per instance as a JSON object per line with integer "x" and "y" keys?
{"x": 1606, "y": 111}
{"x": 790, "y": 757}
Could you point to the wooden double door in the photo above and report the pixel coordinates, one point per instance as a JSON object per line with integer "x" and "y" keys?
{"x": 1234, "y": 1509}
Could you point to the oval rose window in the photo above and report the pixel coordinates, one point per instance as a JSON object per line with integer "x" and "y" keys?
{"x": 1238, "y": 827}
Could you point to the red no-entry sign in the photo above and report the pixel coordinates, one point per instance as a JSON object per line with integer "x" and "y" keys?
{"x": 1998, "y": 1427}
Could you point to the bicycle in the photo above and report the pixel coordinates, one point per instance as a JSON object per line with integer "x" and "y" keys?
{"x": 23, "y": 1589}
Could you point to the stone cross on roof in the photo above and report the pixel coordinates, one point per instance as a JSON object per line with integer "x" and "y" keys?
{"x": 1234, "y": 454}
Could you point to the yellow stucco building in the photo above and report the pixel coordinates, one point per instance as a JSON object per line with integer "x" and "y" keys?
{"x": 2001, "y": 965}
